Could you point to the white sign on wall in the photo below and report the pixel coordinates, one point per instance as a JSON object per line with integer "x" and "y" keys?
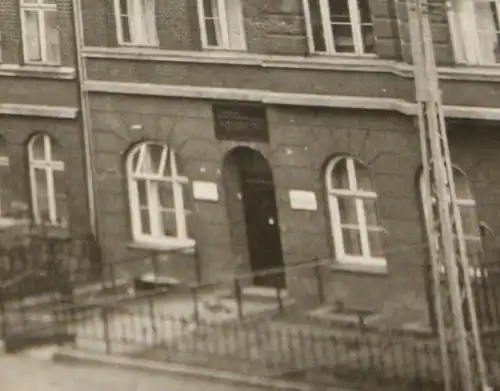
{"x": 303, "y": 200}
{"x": 205, "y": 191}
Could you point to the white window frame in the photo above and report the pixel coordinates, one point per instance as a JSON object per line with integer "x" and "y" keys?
{"x": 40, "y": 7}
{"x": 427, "y": 202}
{"x": 48, "y": 165}
{"x": 336, "y": 224}
{"x": 138, "y": 24}
{"x": 178, "y": 183}
{"x": 464, "y": 31}
{"x": 230, "y": 25}
{"x": 328, "y": 33}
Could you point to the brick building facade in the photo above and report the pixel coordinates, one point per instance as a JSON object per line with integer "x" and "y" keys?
{"x": 199, "y": 116}
{"x": 169, "y": 87}
{"x": 43, "y": 156}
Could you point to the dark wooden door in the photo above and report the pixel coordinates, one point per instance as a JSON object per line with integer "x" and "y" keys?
{"x": 263, "y": 230}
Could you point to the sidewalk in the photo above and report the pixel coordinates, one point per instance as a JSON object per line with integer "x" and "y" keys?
{"x": 25, "y": 373}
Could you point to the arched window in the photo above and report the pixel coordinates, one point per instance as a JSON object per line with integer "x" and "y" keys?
{"x": 467, "y": 212}
{"x": 352, "y": 199}
{"x": 5, "y": 181}
{"x": 48, "y": 187}
{"x": 156, "y": 191}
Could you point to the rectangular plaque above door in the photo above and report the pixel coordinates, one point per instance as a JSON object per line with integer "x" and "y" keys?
{"x": 240, "y": 122}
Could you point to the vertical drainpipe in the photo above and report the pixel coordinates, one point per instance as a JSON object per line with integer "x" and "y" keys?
{"x": 85, "y": 115}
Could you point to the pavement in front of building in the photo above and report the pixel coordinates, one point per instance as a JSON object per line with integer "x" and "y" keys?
{"x": 34, "y": 371}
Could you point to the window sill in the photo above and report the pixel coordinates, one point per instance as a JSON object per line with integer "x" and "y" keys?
{"x": 139, "y": 45}
{"x": 333, "y": 62}
{"x": 471, "y": 72}
{"x": 213, "y": 49}
{"x": 7, "y": 222}
{"x": 348, "y": 62}
{"x": 181, "y": 246}
{"x": 50, "y": 231}
{"x": 38, "y": 71}
{"x": 376, "y": 268}
{"x": 340, "y": 55}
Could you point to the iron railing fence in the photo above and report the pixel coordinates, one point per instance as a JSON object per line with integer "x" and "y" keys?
{"x": 216, "y": 323}
{"x": 150, "y": 327}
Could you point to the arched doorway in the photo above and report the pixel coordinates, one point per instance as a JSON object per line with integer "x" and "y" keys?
{"x": 253, "y": 215}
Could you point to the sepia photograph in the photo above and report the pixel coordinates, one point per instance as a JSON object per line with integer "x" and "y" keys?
{"x": 218, "y": 195}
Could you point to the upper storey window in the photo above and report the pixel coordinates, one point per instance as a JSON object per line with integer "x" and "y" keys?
{"x": 136, "y": 22}
{"x": 221, "y": 24}
{"x": 339, "y": 26}
{"x": 40, "y": 31}
{"x": 475, "y": 28}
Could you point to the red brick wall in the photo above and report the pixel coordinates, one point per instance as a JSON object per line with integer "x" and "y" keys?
{"x": 271, "y": 27}
{"x": 254, "y": 77}
{"x": 471, "y": 93}
{"x": 315, "y": 135}
{"x": 275, "y": 27}
{"x": 302, "y": 140}
{"x": 17, "y": 131}
{"x": 44, "y": 91}
{"x": 32, "y": 90}
{"x": 348, "y": 83}
{"x": 10, "y": 28}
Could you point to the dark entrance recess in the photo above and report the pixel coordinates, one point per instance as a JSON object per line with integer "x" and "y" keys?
{"x": 257, "y": 202}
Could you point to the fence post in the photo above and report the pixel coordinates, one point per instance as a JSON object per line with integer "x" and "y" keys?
{"x": 279, "y": 299}
{"x": 197, "y": 266}
{"x": 112, "y": 277}
{"x": 3, "y": 317}
{"x": 152, "y": 319}
{"x": 319, "y": 282}
{"x": 105, "y": 325}
{"x": 154, "y": 261}
{"x": 194, "y": 293}
{"x": 239, "y": 299}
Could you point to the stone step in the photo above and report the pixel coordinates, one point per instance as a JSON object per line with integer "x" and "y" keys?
{"x": 258, "y": 294}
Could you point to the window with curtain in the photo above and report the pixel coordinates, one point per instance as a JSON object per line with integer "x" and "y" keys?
{"x": 339, "y": 26}
{"x": 48, "y": 186}
{"x": 136, "y": 22}
{"x": 221, "y": 24}
{"x": 468, "y": 219}
{"x": 475, "y": 30}
{"x": 40, "y": 30}
{"x": 156, "y": 185}
{"x": 357, "y": 234}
